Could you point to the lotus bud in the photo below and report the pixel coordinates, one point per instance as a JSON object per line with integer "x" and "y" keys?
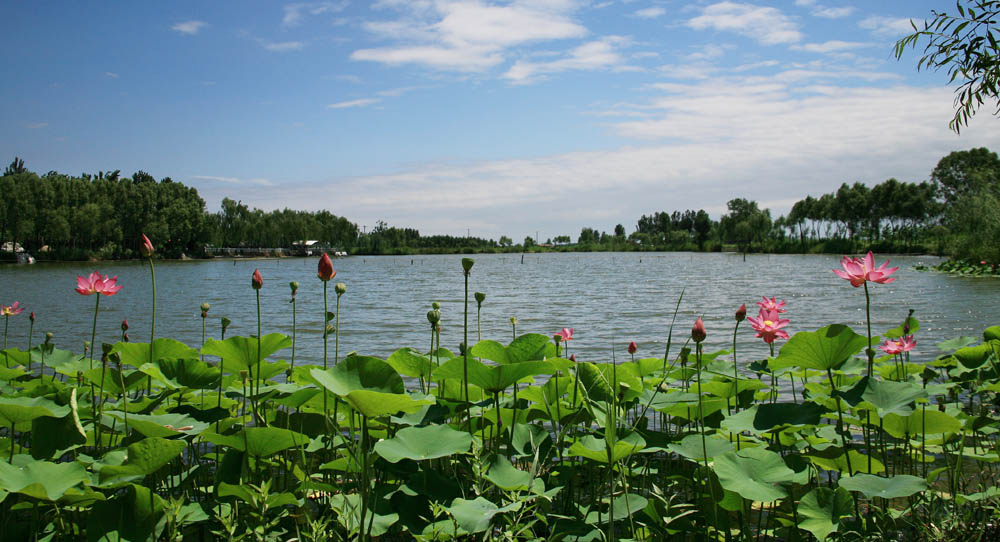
{"x": 125, "y": 337}
{"x": 461, "y": 349}
{"x": 685, "y": 352}
{"x": 204, "y": 310}
{"x": 244, "y": 375}
{"x": 329, "y": 329}
{"x": 698, "y": 332}
{"x": 513, "y": 321}
{"x": 86, "y": 347}
{"x": 741, "y": 313}
{"x": 124, "y": 325}
{"x": 340, "y": 288}
{"x": 106, "y": 348}
{"x": 435, "y": 305}
{"x": 294, "y": 285}
{"x": 433, "y": 316}
{"x": 467, "y": 265}
{"x": 557, "y": 338}
{"x": 32, "y": 317}
{"x": 225, "y": 324}
{"x": 480, "y": 297}
{"x": 256, "y": 281}
{"x": 632, "y": 347}
{"x": 325, "y": 270}
{"x": 48, "y": 337}
{"x": 572, "y": 357}
{"x": 146, "y": 248}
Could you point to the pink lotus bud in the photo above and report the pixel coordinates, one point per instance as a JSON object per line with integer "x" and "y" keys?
{"x": 698, "y": 332}
{"x": 32, "y": 317}
{"x": 257, "y": 281}
{"x": 325, "y": 270}
{"x": 125, "y": 324}
{"x": 572, "y": 357}
{"x": 632, "y": 347}
{"x": 741, "y": 313}
{"x": 126, "y": 337}
{"x": 146, "y": 249}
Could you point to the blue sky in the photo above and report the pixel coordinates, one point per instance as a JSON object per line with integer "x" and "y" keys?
{"x": 497, "y": 118}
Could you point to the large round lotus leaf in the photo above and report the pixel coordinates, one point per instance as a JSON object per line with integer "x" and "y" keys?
{"x": 596, "y": 449}
{"x": 491, "y": 378}
{"x": 691, "y": 447}
{"x": 530, "y": 347}
{"x": 134, "y": 514}
{"x": 161, "y": 425}
{"x": 144, "y": 457}
{"x": 359, "y": 373}
{"x": 599, "y": 379}
{"x": 374, "y": 403}
{"x": 474, "y": 516}
{"x": 183, "y": 373}
{"x": 820, "y": 510}
{"x": 902, "y": 485}
{"x": 973, "y": 356}
{"x": 892, "y": 397}
{"x": 767, "y": 416}
{"x": 923, "y": 421}
{"x": 267, "y": 441}
{"x": 833, "y": 459}
{"x": 348, "y": 508}
{"x": 625, "y": 505}
{"x": 754, "y": 474}
{"x": 240, "y": 353}
{"x": 137, "y": 354}
{"x": 42, "y": 479}
{"x": 426, "y": 442}
{"x": 408, "y": 362}
{"x": 506, "y": 476}
{"x": 825, "y": 348}
{"x": 956, "y": 343}
{"x": 18, "y": 410}
{"x": 491, "y": 350}
{"x": 992, "y": 333}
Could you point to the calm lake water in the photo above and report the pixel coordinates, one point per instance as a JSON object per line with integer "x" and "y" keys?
{"x": 609, "y": 300}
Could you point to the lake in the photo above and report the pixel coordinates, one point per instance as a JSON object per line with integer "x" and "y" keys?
{"x": 608, "y": 298}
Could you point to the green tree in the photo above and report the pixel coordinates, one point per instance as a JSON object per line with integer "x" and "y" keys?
{"x": 967, "y": 172}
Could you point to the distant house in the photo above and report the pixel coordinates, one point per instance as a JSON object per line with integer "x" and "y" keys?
{"x": 309, "y": 248}
{"x": 11, "y": 247}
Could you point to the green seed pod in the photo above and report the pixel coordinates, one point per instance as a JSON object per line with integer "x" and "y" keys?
{"x": 467, "y": 264}
{"x": 434, "y": 316}
{"x": 340, "y": 288}
{"x": 480, "y": 297}
{"x": 294, "y": 285}
{"x": 513, "y": 321}
{"x": 435, "y": 305}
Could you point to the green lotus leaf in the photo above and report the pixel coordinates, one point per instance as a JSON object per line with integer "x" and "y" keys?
{"x": 136, "y": 514}
{"x": 490, "y": 350}
{"x": 922, "y": 421}
{"x": 898, "y": 331}
{"x": 820, "y": 510}
{"x": 599, "y": 378}
{"x": 144, "y": 457}
{"x": 901, "y": 485}
{"x": 973, "y": 357}
{"x": 991, "y": 333}
{"x": 754, "y": 473}
{"x": 408, "y": 362}
{"x": 892, "y": 397}
{"x": 427, "y": 442}
{"x": 113, "y": 379}
{"x": 137, "y": 354}
{"x": 50, "y": 435}
{"x": 42, "y": 480}
{"x": 359, "y": 373}
{"x": 826, "y": 348}
{"x": 18, "y": 410}
{"x": 156, "y": 425}
{"x": 833, "y": 459}
{"x": 475, "y": 516}
{"x": 625, "y": 505}
{"x": 691, "y": 447}
{"x": 492, "y": 378}
{"x": 348, "y": 508}
{"x": 596, "y": 449}
{"x": 530, "y": 347}
{"x": 768, "y": 416}
{"x": 954, "y": 344}
{"x": 240, "y": 353}
{"x": 375, "y": 403}
{"x": 507, "y": 477}
{"x": 183, "y": 373}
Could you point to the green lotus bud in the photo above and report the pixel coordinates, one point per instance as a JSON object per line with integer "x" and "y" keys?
{"x": 294, "y": 285}
{"x": 433, "y": 317}
{"x": 106, "y": 348}
{"x": 480, "y": 297}
{"x": 244, "y": 375}
{"x": 513, "y": 321}
{"x": 205, "y": 307}
{"x": 340, "y": 288}
{"x": 435, "y": 305}
{"x": 225, "y": 324}
{"x": 48, "y": 337}
{"x": 86, "y": 346}
{"x": 461, "y": 349}
{"x": 467, "y": 264}
{"x": 991, "y": 333}
{"x": 330, "y": 329}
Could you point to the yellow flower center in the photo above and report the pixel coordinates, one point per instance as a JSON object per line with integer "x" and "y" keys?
{"x": 768, "y": 323}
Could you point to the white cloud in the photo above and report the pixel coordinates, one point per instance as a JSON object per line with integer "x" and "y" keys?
{"x": 832, "y": 46}
{"x": 111, "y": 75}
{"x": 283, "y": 47}
{"x": 650, "y": 13}
{"x": 466, "y": 35}
{"x": 887, "y": 26}
{"x": 833, "y": 13}
{"x": 362, "y": 102}
{"x": 767, "y": 25}
{"x": 294, "y": 13}
{"x": 234, "y": 180}
{"x": 599, "y": 54}
{"x": 189, "y": 27}
{"x": 36, "y": 125}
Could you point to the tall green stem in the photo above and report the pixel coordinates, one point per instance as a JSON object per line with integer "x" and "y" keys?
{"x": 93, "y": 331}
{"x": 465, "y": 352}
{"x": 152, "y": 327}
{"x": 326, "y": 412}
{"x": 257, "y": 374}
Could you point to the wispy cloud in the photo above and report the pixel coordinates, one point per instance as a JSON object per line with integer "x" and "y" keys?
{"x": 36, "y": 125}
{"x": 887, "y": 26}
{"x": 362, "y": 102}
{"x": 234, "y": 180}
{"x": 650, "y": 13}
{"x": 189, "y": 27}
{"x": 282, "y": 47}
{"x": 111, "y": 75}
{"x": 832, "y": 46}
{"x": 295, "y": 13}
{"x": 766, "y": 25}
{"x": 599, "y": 54}
{"x": 833, "y": 13}
{"x": 469, "y": 36}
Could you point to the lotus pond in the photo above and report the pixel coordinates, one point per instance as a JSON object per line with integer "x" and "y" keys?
{"x": 833, "y": 433}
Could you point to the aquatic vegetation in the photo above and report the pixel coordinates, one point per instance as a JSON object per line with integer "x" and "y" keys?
{"x": 503, "y": 440}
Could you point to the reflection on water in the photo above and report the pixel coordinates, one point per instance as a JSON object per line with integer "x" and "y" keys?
{"x": 609, "y": 300}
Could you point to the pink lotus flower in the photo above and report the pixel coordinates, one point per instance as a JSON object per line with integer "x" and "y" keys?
{"x": 861, "y": 270}
{"x": 768, "y": 325}
{"x": 632, "y": 347}
{"x": 741, "y": 313}
{"x": 325, "y": 270}
{"x": 94, "y": 284}
{"x": 146, "y": 248}
{"x": 772, "y": 305}
{"x": 698, "y": 332}
{"x": 898, "y": 346}
{"x": 565, "y": 335}
{"x": 13, "y": 310}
